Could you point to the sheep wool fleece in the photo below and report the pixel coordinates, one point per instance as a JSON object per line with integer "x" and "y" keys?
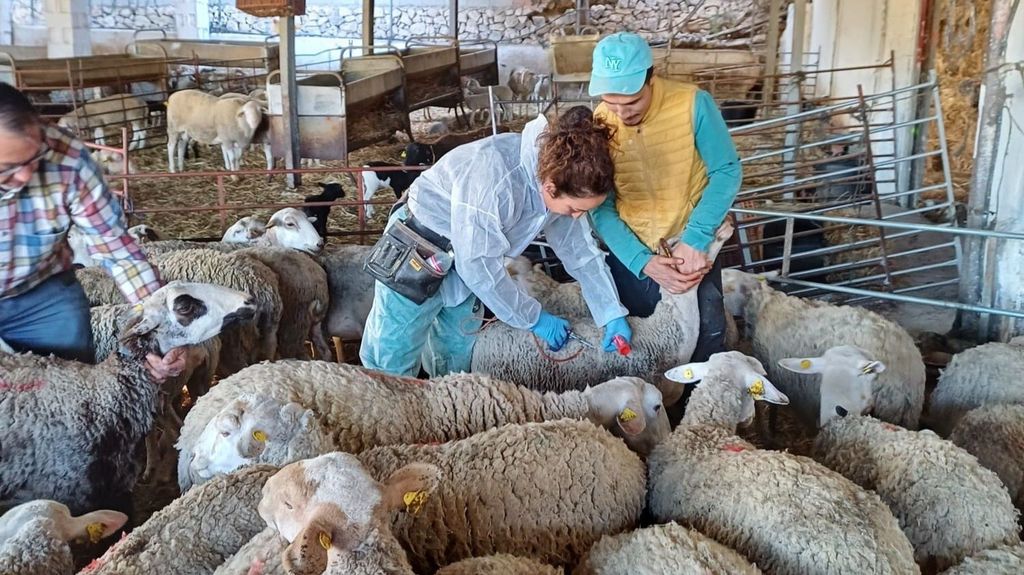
{"x": 491, "y": 484}
{"x": 981, "y": 375}
{"x": 948, "y": 504}
{"x": 501, "y": 564}
{"x": 1003, "y": 560}
{"x": 668, "y": 548}
{"x": 995, "y": 435}
{"x": 787, "y": 513}
{"x": 36, "y": 549}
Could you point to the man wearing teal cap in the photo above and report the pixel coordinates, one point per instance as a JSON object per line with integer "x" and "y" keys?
{"x": 676, "y": 175}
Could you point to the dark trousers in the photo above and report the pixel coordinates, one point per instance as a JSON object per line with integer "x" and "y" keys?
{"x": 640, "y": 296}
{"x": 52, "y": 317}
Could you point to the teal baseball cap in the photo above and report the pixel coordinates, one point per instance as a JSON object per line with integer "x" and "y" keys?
{"x": 620, "y": 64}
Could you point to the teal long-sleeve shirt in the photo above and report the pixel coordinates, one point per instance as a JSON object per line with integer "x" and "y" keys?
{"x": 718, "y": 152}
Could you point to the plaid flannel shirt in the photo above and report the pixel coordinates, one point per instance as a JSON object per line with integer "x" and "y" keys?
{"x": 67, "y": 188}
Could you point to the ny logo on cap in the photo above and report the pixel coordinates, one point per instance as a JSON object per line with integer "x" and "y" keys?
{"x": 612, "y": 63}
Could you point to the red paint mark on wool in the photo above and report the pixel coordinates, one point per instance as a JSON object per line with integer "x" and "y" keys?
{"x": 734, "y": 447}
{"x": 27, "y": 386}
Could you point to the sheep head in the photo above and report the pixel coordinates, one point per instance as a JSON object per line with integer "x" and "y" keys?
{"x": 91, "y": 527}
{"x": 847, "y": 376}
{"x": 185, "y": 313}
{"x": 290, "y": 228}
{"x": 244, "y": 231}
{"x": 741, "y": 380}
{"x": 630, "y": 408}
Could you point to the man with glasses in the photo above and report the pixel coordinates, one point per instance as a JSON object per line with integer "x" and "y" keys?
{"x": 48, "y": 182}
{"x": 676, "y": 175}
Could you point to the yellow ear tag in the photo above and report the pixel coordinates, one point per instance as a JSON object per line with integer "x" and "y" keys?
{"x": 403, "y": 154}
{"x": 94, "y": 531}
{"x": 756, "y": 389}
{"x": 137, "y": 308}
{"x": 762, "y": 279}
{"x": 414, "y": 500}
{"x": 868, "y": 368}
{"x": 259, "y": 436}
{"x": 325, "y": 540}
{"x": 627, "y": 415}
{"x": 805, "y": 364}
{"x": 688, "y": 373}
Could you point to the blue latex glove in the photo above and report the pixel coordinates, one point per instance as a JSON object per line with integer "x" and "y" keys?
{"x": 552, "y": 329}
{"x": 618, "y": 326}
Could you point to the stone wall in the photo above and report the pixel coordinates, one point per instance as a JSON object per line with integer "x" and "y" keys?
{"x": 118, "y": 14}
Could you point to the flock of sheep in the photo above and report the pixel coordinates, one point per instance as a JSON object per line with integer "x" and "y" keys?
{"x": 530, "y": 464}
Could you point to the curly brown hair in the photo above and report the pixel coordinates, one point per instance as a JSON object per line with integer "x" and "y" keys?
{"x": 575, "y": 155}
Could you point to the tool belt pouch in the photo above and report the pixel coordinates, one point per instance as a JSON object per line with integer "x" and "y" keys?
{"x": 407, "y": 263}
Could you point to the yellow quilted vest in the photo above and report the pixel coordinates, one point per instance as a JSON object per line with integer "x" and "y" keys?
{"x": 659, "y": 176}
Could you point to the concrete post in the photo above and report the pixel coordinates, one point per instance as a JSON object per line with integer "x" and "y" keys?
{"x": 192, "y": 19}
{"x": 68, "y": 24}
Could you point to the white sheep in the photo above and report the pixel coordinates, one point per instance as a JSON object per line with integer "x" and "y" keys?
{"x": 359, "y": 407}
{"x": 983, "y": 375}
{"x": 786, "y": 513}
{"x": 993, "y": 434}
{"x": 780, "y": 326}
{"x": 244, "y": 231}
{"x": 194, "y": 533}
{"x": 143, "y": 233}
{"x": 71, "y": 428}
{"x": 499, "y": 564}
{"x": 523, "y": 82}
{"x": 102, "y": 114}
{"x": 210, "y": 120}
{"x": 542, "y": 490}
{"x": 665, "y": 338}
{"x": 35, "y": 536}
{"x": 329, "y": 516}
{"x": 1003, "y": 560}
{"x": 667, "y": 548}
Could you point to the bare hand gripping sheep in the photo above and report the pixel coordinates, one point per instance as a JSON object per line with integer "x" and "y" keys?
{"x": 359, "y": 409}
{"x": 787, "y": 513}
{"x": 664, "y": 339}
{"x": 71, "y": 428}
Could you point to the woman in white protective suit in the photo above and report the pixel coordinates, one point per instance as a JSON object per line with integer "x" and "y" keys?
{"x": 481, "y": 202}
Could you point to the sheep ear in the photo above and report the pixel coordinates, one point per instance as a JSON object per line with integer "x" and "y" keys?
{"x": 307, "y": 554}
{"x": 805, "y": 365}
{"x": 409, "y": 487}
{"x": 143, "y": 319}
{"x": 96, "y": 525}
{"x": 869, "y": 367}
{"x": 312, "y": 219}
{"x": 687, "y": 373}
{"x": 763, "y": 390}
{"x": 631, "y": 419}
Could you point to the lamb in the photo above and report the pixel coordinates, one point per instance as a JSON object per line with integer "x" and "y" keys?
{"x": 983, "y": 375}
{"x": 245, "y": 230}
{"x": 522, "y": 82}
{"x": 358, "y": 408}
{"x": 780, "y": 326}
{"x": 71, "y": 428}
{"x": 500, "y": 564}
{"x": 318, "y": 214}
{"x": 665, "y": 338}
{"x": 100, "y": 114}
{"x": 210, "y": 120}
{"x": 478, "y": 99}
{"x": 427, "y": 153}
{"x": 329, "y": 515}
{"x": 489, "y": 501}
{"x": 143, "y": 233}
{"x": 668, "y": 548}
{"x": 993, "y": 433}
{"x": 786, "y": 513}
{"x": 1003, "y": 560}
{"x": 302, "y": 285}
{"x": 351, "y": 290}
{"x": 35, "y": 536}
{"x": 373, "y": 180}
{"x": 194, "y": 533}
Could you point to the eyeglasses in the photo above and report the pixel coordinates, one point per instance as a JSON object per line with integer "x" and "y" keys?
{"x": 9, "y": 172}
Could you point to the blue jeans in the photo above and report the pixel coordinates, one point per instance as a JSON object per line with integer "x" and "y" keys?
{"x": 52, "y": 317}
{"x": 400, "y": 336}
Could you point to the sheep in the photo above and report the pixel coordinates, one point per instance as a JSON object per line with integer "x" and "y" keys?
{"x": 489, "y": 499}
{"x": 318, "y": 214}
{"x": 668, "y": 548}
{"x": 35, "y": 536}
{"x": 427, "y": 153}
{"x": 113, "y": 163}
{"x": 290, "y": 228}
{"x": 786, "y": 513}
{"x": 209, "y": 120}
{"x": 478, "y": 100}
{"x": 781, "y": 326}
{"x": 99, "y": 286}
{"x": 358, "y": 406}
{"x": 948, "y": 504}
{"x": 351, "y": 290}
{"x": 102, "y": 113}
{"x": 499, "y": 564}
{"x": 329, "y": 515}
{"x": 245, "y": 230}
{"x": 302, "y": 285}
{"x": 71, "y": 428}
{"x": 1003, "y": 560}
{"x": 522, "y": 82}
{"x": 194, "y": 533}
{"x": 665, "y": 338}
{"x": 982, "y": 375}
{"x": 993, "y": 433}
{"x": 373, "y": 180}
{"x": 143, "y": 233}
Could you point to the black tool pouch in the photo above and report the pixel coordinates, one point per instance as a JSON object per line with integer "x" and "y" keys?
{"x": 406, "y": 262}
